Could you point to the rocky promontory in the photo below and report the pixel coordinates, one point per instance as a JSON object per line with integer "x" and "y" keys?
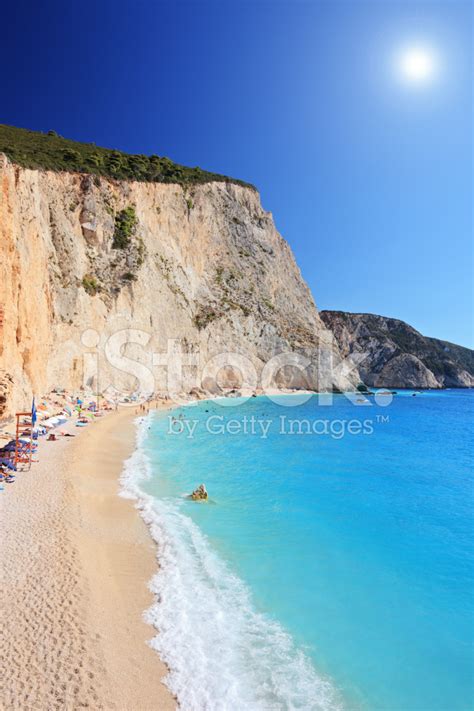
{"x": 398, "y": 356}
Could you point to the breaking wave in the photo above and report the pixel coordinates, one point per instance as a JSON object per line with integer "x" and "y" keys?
{"x": 222, "y": 654}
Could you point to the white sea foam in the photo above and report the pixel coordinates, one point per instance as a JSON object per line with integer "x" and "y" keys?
{"x": 223, "y": 655}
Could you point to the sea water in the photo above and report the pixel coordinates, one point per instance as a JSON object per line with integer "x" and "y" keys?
{"x": 332, "y": 566}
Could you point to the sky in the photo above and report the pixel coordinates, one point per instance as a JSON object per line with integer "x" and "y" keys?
{"x": 368, "y": 171}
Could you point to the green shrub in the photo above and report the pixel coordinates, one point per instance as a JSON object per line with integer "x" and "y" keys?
{"x": 95, "y": 159}
{"x": 115, "y": 162}
{"x": 71, "y": 156}
{"x": 90, "y": 285}
{"x": 125, "y": 225}
{"x": 219, "y": 273}
{"x": 141, "y": 252}
{"x": 204, "y": 316}
{"x": 268, "y": 304}
{"x": 33, "y": 149}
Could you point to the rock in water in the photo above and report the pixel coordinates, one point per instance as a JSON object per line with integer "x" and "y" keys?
{"x": 199, "y": 494}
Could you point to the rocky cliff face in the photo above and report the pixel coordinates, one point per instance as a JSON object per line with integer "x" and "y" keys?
{"x": 397, "y": 355}
{"x": 203, "y": 264}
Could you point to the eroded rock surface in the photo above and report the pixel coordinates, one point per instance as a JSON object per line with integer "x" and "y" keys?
{"x": 398, "y": 356}
{"x": 205, "y": 265}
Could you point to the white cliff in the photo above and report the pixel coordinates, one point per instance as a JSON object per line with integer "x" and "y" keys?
{"x": 203, "y": 264}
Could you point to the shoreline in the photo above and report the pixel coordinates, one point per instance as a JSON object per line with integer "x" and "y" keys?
{"x": 76, "y": 564}
{"x": 76, "y": 560}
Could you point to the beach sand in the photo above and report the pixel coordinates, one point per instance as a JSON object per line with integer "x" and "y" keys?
{"x": 75, "y": 560}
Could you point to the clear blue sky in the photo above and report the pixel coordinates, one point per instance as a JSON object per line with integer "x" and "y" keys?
{"x": 369, "y": 179}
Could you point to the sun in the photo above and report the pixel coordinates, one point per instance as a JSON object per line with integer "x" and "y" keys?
{"x": 417, "y": 65}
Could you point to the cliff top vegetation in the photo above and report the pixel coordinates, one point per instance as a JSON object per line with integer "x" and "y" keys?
{"x": 49, "y": 151}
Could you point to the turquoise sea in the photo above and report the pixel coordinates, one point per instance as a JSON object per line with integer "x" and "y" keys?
{"x": 331, "y": 568}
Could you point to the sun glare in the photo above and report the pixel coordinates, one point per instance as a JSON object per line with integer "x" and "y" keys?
{"x": 417, "y": 64}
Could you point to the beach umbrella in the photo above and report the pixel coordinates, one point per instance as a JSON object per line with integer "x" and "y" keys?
{"x": 6, "y": 463}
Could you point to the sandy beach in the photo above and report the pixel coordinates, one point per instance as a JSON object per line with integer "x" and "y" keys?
{"x": 75, "y": 560}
